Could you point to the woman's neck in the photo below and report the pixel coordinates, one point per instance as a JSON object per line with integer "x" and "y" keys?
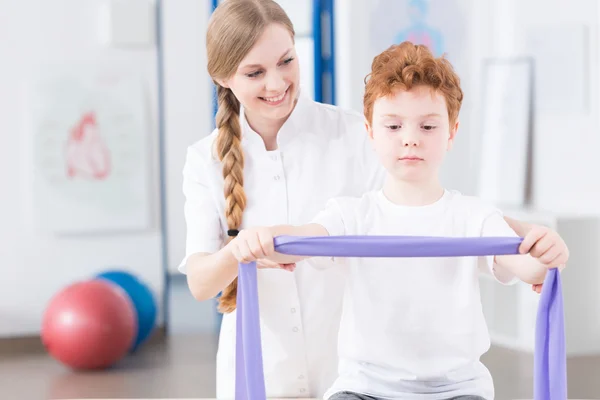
{"x": 412, "y": 193}
{"x": 267, "y": 128}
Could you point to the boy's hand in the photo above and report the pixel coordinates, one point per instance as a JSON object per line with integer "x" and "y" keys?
{"x": 547, "y": 246}
{"x": 537, "y": 288}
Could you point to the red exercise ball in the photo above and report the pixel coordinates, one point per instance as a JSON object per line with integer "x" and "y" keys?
{"x": 89, "y": 325}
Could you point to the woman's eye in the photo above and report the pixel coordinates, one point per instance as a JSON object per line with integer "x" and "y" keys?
{"x": 254, "y": 74}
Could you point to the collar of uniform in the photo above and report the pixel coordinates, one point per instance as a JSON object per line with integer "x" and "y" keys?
{"x": 290, "y": 130}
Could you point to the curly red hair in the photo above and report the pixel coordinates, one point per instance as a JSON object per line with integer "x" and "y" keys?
{"x": 405, "y": 65}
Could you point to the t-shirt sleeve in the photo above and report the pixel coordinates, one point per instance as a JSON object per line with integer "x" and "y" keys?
{"x": 204, "y": 233}
{"x": 338, "y": 218}
{"x": 494, "y": 224}
{"x": 331, "y": 218}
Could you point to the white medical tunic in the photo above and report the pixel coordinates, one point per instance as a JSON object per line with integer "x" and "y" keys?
{"x": 323, "y": 152}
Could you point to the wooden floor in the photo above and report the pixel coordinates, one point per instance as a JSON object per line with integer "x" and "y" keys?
{"x": 183, "y": 367}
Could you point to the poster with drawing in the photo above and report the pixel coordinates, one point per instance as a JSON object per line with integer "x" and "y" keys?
{"x": 441, "y": 25}
{"x": 90, "y": 153}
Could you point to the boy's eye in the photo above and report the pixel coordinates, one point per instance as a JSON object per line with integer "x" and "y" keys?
{"x": 428, "y": 127}
{"x": 393, "y": 127}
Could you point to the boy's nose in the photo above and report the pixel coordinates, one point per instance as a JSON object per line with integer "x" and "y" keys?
{"x": 410, "y": 140}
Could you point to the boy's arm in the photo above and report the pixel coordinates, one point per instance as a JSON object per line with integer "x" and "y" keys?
{"x": 524, "y": 267}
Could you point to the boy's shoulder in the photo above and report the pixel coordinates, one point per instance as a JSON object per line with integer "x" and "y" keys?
{"x": 365, "y": 198}
{"x": 471, "y": 205}
{"x": 459, "y": 203}
{"x": 356, "y": 204}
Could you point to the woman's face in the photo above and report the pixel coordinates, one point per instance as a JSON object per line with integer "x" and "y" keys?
{"x": 267, "y": 80}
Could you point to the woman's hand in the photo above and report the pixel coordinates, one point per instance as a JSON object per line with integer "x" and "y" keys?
{"x": 256, "y": 244}
{"x": 266, "y": 263}
{"x": 252, "y": 244}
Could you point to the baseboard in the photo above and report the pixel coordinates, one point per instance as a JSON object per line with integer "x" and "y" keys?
{"x": 20, "y": 346}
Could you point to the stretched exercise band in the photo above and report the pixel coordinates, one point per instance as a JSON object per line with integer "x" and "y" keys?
{"x": 550, "y": 371}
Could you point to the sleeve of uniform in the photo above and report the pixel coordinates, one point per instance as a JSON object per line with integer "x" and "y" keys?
{"x": 368, "y": 173}
{"x": 495, "y": 225}
{"x": 372, "y": 171}
{"x": 204, "y": 232}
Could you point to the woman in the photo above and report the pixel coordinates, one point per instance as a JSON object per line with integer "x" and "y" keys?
{"x": 275, "y": 158}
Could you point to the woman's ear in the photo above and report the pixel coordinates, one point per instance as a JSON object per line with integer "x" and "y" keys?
{"x": 223, "y": 82}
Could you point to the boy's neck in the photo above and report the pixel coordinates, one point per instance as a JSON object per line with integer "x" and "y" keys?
{"x": 412, "y": 193}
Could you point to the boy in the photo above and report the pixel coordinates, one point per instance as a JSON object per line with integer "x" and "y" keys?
{"x": 411, "y": 328}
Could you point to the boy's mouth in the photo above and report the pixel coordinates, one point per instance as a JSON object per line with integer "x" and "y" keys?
{"x": 411, "y": 158}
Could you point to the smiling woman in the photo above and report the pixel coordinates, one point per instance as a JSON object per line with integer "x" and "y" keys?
{"x": 267, "y": 81}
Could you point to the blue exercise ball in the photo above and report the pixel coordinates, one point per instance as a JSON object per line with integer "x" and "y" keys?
{"x": 142, "y": 299}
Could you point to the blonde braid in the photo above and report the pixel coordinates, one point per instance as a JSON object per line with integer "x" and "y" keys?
{"x": 229, "y": 151}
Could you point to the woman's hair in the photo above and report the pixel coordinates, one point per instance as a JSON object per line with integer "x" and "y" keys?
{"x": 234, "y": 27}
{"x": 406, "y": 65}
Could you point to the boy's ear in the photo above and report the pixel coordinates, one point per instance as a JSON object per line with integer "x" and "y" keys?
{"x": 453, "y": 131}
{"x": 369, "y": 129}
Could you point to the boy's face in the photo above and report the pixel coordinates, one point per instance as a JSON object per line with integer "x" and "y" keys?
{"x": 411, "y": 133}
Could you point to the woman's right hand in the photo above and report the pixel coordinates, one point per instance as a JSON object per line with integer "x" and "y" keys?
{"x": 252, "y": 244}
{"x": 265, "y": 263}
{"x": 256, "y": 244}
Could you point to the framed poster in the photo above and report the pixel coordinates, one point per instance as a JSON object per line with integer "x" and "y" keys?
{"x": 90, "y": 152}
{"x": 505, "y": 134}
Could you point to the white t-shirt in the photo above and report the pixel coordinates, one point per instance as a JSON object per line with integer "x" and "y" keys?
{"x": 414, "y": 325}
{"x": 323, "y": 152}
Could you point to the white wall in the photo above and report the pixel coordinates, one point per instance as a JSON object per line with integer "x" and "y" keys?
{"x": 566, "y": 144}
{"x": 36, "y": 34}
{"x": 188, "y": 104}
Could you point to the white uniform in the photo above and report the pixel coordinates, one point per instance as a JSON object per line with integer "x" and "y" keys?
{"x": 323, "y": 152}
{"x": 413, "y": 328}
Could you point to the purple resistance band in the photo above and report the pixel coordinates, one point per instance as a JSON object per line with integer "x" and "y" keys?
{"x": 550, "y": 370}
